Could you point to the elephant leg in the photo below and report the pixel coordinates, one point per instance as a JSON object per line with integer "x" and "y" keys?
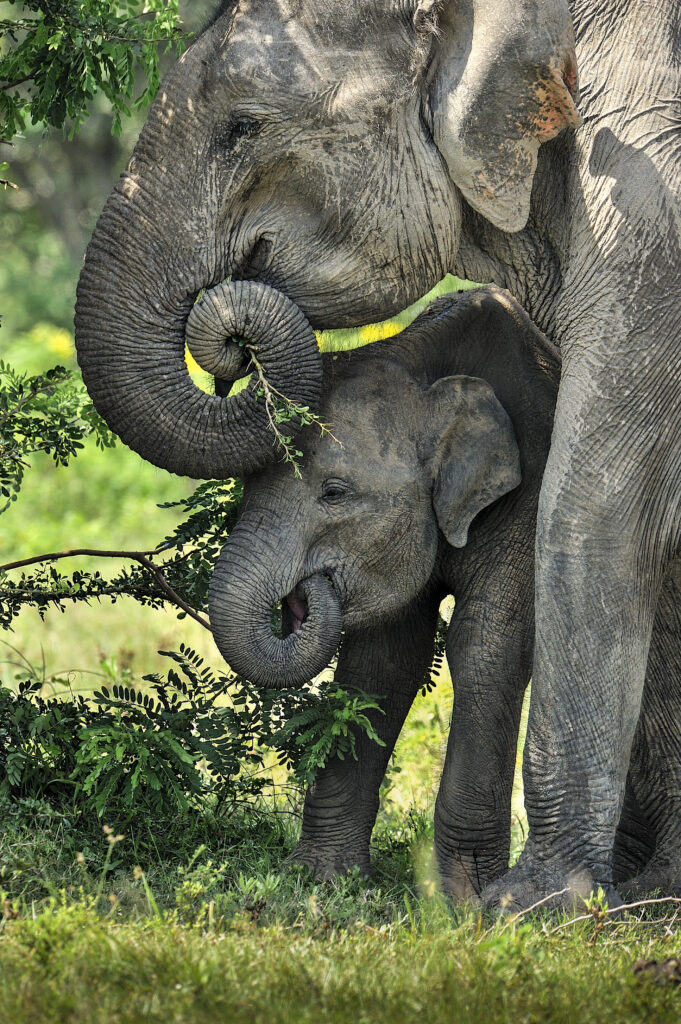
{"x": 489, "y": 650}
{"x": 653, "y": 830}
{"x": 635, "y": 838}
{"x": 606, "y": 527}
{"x": 390, "y": 660}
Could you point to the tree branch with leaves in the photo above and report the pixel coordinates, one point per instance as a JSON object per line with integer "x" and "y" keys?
{"x": 59, "y": 54}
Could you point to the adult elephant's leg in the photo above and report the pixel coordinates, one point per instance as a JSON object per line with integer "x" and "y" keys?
{"x": 489, "y": 650}
{"x": 390, "y": 660}
{"x": 605, "y": 524}
{"x": 655, "y": 770}
{"x": 635, "y": 838}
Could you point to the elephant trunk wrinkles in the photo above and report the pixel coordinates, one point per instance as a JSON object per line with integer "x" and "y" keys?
{"x": 131, "y": 327}
{"x": 245, "y": 589}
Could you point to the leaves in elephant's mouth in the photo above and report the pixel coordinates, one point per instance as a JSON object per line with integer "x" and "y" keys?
{"x": 277, "y": 621}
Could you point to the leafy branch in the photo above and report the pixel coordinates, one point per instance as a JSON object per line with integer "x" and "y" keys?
{"x": 143, "y": 557}
{"x": 181, "y": 578}
{"x": 281, "y": 409}
{"x": 55, "y": 62}
{"x": 49, "y": 413}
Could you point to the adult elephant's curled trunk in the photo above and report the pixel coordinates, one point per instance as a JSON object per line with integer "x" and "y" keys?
{"x": 131, "y": 327}
{"x": 243, "y": 595}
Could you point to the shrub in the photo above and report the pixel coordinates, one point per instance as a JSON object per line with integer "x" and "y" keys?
{"x": 129, "y": 752}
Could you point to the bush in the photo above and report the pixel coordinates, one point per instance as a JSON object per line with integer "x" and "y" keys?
{"x": 129, "y": 752}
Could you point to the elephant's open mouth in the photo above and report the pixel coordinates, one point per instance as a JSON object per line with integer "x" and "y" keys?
{"x": 302, "y": 604}
{"x": 297, "y": 608}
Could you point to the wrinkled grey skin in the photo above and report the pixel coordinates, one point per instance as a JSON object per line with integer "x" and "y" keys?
{"x": 347, "y": 155}
{"x": 598, "y": 269}
{"x": 428, "y": 487}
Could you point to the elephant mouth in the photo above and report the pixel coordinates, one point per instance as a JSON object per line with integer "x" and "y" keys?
{"x": 297, "y": 608}
{"x": 294, "y": 610}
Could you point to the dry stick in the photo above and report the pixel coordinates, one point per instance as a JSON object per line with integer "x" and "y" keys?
{"x": 528, "y": 910}
{"x": 615, "y": 910}
{"x": 134, "y": 556}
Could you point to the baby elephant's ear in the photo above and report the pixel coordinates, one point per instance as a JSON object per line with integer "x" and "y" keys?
{"x": 473, "y": 453}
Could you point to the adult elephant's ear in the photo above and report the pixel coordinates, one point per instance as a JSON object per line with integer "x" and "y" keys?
{"x": 472, "y": 452}
{"x": 503, "y": 80}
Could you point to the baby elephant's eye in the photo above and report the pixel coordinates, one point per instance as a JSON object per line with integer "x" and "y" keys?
{"x": 334, "y": 490}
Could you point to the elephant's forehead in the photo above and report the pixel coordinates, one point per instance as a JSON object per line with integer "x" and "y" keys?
{"x": 372, "y": 460}
{"x": 370, "y": 421}
{"x": 304, "y": 56}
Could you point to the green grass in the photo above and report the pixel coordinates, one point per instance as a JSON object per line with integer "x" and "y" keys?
{"x": 162, "y": 930}
{"x": 71, "y": 966}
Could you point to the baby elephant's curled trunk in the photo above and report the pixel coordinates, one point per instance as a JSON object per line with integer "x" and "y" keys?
{"x": 242, "y": 598}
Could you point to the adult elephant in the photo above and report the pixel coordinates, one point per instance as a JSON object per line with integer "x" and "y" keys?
{"x": 347, "y": 155}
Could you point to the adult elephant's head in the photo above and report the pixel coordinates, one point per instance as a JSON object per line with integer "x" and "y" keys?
{"x": 304, "y": 163}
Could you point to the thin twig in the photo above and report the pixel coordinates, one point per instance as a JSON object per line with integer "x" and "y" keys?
{"x": 54, "y": 556}
{"x": 13, "y": 85}
{"x": 271, "y": 410}
{"x": 615, "y": 910}
{"x": 528, "y": 910}
{"x": 134, "y": 556}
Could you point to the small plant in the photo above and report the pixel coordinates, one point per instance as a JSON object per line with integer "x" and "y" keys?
{"x": 324, "y": 725}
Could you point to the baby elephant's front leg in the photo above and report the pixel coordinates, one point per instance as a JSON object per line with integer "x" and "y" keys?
{"x": 390, "y": 661}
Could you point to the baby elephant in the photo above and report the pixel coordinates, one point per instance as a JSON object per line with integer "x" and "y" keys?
{"x": 428, "y": 487}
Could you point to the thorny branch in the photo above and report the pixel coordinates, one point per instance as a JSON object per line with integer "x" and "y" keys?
{"x": 143, "y": 557}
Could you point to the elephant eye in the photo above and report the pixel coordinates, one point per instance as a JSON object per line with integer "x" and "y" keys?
{"x": 238, "y": 126}
{"x": 334, "y": 491}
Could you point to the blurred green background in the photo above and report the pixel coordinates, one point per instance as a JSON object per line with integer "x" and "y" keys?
{"x": 107, "y": 499}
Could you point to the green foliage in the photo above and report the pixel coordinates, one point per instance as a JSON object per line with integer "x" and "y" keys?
{"x": 58, "y": 55}
{"x": 325, "y": 726}
{"x": 193, "y": 547}
{"x": 185, "y": 559}
{"x": 45, "y": 413}
{"x": 129, "y": 751}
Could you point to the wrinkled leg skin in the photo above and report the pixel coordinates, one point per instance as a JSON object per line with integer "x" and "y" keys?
{"x": 647, "y": 856}
{"x": 489, "y": 651}
{"x": 390, "y": 661}
{"x": 607, "y": 528}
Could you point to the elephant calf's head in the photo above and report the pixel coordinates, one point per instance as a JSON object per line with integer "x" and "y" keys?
{"x": 406, "y": 468}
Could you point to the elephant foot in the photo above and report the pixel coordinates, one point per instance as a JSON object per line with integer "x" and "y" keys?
{"x": 661, "y": 877}
{"x": 534, "y": 884}
{"x": 326, "y": 864}
{"x": 464, "y": 878}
